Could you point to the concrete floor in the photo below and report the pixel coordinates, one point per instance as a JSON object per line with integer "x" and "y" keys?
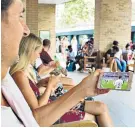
{"x": 121, "y": 104}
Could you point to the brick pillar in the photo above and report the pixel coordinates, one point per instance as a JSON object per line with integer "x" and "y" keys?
{"x": 112, "y": 22}
{"x": 24, "y": 4}
{"x": 46, "y": 21}
{"x": 32, "y": 15}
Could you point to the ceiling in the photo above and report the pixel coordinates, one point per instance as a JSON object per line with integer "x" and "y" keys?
{"x": 52, "y": 1}
{"x": 56, "y": 1}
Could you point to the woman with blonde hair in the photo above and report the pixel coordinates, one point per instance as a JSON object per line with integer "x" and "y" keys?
{"x": 30, "y": 48}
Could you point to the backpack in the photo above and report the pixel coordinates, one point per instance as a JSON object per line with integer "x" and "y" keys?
{"x": 71, "y": 66}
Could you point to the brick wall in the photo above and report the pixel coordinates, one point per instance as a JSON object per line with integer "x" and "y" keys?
{"x": 46, "y": 21}
{"x": 24, "y": 4}
{"x": 112, "y": 22}
{"x": 133, "y": 11}
{"x": 32, "y": 15}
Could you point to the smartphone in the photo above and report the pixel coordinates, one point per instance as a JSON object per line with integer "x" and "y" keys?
{"x": 116, "y": 81}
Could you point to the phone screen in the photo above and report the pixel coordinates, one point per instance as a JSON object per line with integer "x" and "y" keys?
{"x": 117, "y": 80}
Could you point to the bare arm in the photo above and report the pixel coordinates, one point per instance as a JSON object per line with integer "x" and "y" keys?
{"x": 108, "y": 56}
{"x": 50, "y": 113}
{"x": 43, "y": 82}
{"x": 42, "y": 69}
{"x": 133, "y": 55}
{"x": 85, "y": 49}
{"x": 28, "y": 93}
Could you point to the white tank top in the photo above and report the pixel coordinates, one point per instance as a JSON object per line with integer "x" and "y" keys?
{"x": 17, "y": 102}
{"x": 8, "y": 118}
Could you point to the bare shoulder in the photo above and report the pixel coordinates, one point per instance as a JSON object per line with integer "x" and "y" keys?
{"x": 19, "y": 74}
{"x": 20, "y": 77}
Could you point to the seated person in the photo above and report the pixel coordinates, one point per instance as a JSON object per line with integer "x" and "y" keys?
{"x": 70, "y": 55}
{"x": 129, "y": 57}
{"x": 31, "y": 51}
{"x": 85, "y": 49}
{"x": 90, "y": 46}
{"x": 15, "y": 111}
{"x": 45, "y": 57}
{"x": 24, "y": 69}
{"x": 109, "y": 58}
{"x": 133, "y": 48}
{"x": 131, "y": 45}
{"x": 80, "y": 59}
{"x": 41, "y": 68}
{"x": 130, "y": 54}
{"x": 45, "y": 64}
{"x": 119, "y": 58}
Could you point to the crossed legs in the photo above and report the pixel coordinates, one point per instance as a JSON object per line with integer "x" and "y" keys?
{"x": 100, "y": 111}
{"x": 113, "y": 65}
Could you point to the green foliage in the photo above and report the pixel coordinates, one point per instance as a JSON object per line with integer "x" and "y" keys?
{"x": 77, "y": 11}
{"x": 110, "y": 85}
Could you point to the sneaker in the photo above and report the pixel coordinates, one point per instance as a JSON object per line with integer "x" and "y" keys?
{"x": 81, "y": 71}
{"x": 89, "y": 98}
{"x": 78, "y": 69}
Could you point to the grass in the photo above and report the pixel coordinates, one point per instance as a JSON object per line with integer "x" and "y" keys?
{"x": 110, "y": 85}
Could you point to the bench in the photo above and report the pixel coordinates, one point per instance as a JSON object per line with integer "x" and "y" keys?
{"x": 83, "y": 123}
{"x": 92, "y": 60}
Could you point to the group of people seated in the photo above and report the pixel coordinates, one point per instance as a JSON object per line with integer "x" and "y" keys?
{"x": 86, "y": 50}
{"x": 22, "y": 103}
{"x": 115, "y": 58}
{"x": 118, "y": 59}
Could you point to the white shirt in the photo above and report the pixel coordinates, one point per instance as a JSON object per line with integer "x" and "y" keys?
{"x": 118, "y": 84}
{"x": 118, "y": 54}
{"x": 17, "y": 102}
{"x": 71, "y": 55}
{"x": 8, "y": 118}
{"x": 57, "y": 45}
{"x": 38, "y": 62}
{"x": 74, "y": 46}
{"x": 130, "y": 52}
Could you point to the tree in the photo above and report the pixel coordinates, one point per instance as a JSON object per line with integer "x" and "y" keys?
{"x": 77, "y": 11}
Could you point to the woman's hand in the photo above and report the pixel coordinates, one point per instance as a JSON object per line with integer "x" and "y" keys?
{"x": 53, "y": 81}
{"x": 54, "y": 64}
{"x": 46, "y": 80}
{"x": 43, "y": 82}
{"x": 90, "y": 84}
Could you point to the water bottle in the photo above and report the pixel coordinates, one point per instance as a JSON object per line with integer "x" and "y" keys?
{"x": 57, "y": 61}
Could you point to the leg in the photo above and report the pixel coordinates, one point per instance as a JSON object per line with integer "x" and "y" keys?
{"x": 67, "y": 63}
{"x": 111, "y": 64}
{"x": 100, "y": 110}
{"x": 75, "y": 115}
{"x": 81, "y": 64}
{"x": 119, "y": 64}
{"x": 124, "y": 65}
{"x": 89, "y": 117}
{"x": 115, "y": 66}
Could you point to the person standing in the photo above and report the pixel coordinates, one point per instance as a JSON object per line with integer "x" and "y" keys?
{"x": 74, "y": 45}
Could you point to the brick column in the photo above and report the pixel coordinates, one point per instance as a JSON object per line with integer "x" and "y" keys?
{"x": 46, "y": 21}
{"x": 24, "y": 4}
{"x": 32, "y": 15}
{"x": 112, "y": 22}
